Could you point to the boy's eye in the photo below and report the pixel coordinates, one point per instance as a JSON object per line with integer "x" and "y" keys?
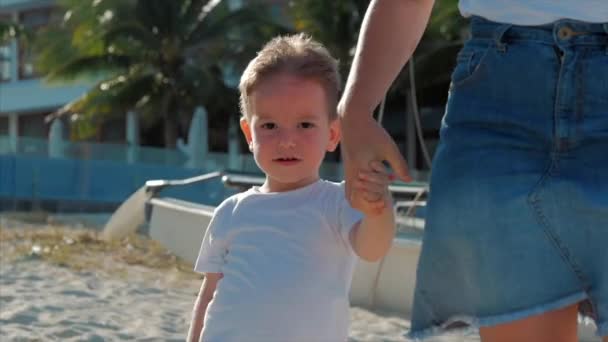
{"x": 307, "y": 125}
{"x": 268, "y": 125}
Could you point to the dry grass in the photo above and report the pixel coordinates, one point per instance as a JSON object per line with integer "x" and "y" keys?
{"x": 85, "y": 249}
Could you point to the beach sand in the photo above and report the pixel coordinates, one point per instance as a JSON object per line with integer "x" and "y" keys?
{"x": 42, "y": 301}
{"x": 65, "y": 283}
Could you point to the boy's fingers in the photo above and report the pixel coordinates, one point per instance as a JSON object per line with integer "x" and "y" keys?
{"x": 373, "y": 183}
{"x": 371, "y": 194}
{"x": 380, "y": 179}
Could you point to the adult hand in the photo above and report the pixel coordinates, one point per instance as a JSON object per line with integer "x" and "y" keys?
{"x": 365, "y": 141}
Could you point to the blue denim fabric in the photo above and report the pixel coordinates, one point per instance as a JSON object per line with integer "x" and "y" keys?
{"x": 517, "y": 219}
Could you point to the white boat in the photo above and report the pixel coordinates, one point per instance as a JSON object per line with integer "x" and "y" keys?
{"x": 386, "y": 285}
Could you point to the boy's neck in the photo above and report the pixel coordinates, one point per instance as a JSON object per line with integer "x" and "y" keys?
{"x": 271, "y": 185}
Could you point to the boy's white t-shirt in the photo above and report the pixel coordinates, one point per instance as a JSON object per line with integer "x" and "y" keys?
{"x": 536, "y": 12}
{"x": 287, "y": 263}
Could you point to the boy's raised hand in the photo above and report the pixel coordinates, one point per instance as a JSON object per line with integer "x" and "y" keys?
{"x": 372, "y": 187}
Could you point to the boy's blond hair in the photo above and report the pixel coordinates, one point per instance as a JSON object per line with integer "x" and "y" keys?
{"x": 298, "y": 55}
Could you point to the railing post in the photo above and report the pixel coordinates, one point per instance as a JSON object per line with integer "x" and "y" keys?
{"x": 234, "y": 151}
{"x": 132, "y": 137}
{"x": 13, "y": 132}
{"x": 56, "y": 144}
{"x": 198, "y": 139}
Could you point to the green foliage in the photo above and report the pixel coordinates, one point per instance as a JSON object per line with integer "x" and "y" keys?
{"x": 446, "y": 23}
{"x": 10, "y": 31}
{"x": 334, "y": 23}
{"x": 160, "y": 58}
{"x": 435, "y": 56}
{"x": 7, "y": 32}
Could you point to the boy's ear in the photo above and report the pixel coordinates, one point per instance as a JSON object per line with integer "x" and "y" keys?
{"x": 246, "y": 129}
{"x": 334, "y": 135}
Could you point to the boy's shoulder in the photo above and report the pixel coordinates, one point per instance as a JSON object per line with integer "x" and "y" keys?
{"x": 333, "y": 184}
{"x": 232, "y": 201}
{"x": 334, "y": 187}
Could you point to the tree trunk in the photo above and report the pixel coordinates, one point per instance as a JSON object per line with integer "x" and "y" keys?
{"x": 169, "y": 122}
{"x": 170, "y": 132}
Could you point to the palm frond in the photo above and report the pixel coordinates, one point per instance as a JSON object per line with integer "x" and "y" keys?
{"x": 90, "y": 66}
{"x": 189, "y": 15}
{"x": 132, "y": 31}
{"x": 222, "y": 19}
{"x": 110, "y": 96}
{"x": 159, "y": 16}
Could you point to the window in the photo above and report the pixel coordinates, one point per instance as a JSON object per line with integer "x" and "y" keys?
{"x": 3, "y": 125}
{"x": 33, "y": 21}
{"x": 5, "y": 63}
{"x": 5, "y": 55}
{"x": 33, "y": 126}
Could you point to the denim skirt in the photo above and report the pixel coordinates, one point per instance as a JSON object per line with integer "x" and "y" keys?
{"x": 517, "y": 217}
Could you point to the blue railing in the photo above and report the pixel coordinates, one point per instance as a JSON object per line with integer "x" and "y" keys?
{"x": 92, "y": 176}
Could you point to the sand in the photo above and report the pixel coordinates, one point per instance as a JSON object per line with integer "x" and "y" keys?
{"x": 42, "y": 301}
{"x": 64, "y": 284}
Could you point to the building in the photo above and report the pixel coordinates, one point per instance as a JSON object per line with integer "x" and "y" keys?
{"x": 25, "y": 99}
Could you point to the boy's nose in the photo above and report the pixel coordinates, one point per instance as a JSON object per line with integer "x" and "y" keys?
{"x": 286, "y": 140}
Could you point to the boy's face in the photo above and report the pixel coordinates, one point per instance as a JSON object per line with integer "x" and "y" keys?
{"x": 288, "y": 130}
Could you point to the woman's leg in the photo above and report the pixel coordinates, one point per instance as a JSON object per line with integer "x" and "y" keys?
{"x": 554, "y": 326}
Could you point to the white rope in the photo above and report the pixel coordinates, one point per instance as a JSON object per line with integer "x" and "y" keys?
{"x": 425, "y": 152}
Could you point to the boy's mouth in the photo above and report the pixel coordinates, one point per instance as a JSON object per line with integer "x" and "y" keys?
{"x": 286, "y": 160}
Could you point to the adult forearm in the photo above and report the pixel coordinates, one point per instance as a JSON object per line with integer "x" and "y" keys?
{"x": 374, "y": 235}
{"x": 389, "y": 34}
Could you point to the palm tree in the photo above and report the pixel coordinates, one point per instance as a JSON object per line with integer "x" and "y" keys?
{"x": 160, "y": 58}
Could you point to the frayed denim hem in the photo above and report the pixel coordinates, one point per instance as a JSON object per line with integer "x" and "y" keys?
{"x": 472, "y": 324}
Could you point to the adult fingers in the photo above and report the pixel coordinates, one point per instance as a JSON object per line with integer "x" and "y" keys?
{"x": 393, "y": 156}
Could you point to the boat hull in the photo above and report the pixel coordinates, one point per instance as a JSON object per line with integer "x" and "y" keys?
{"x": 388, "y": 284}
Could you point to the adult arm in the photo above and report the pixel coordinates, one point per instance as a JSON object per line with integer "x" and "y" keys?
{"x": 205, "y": 295}
{"x": 389, "y": 34}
